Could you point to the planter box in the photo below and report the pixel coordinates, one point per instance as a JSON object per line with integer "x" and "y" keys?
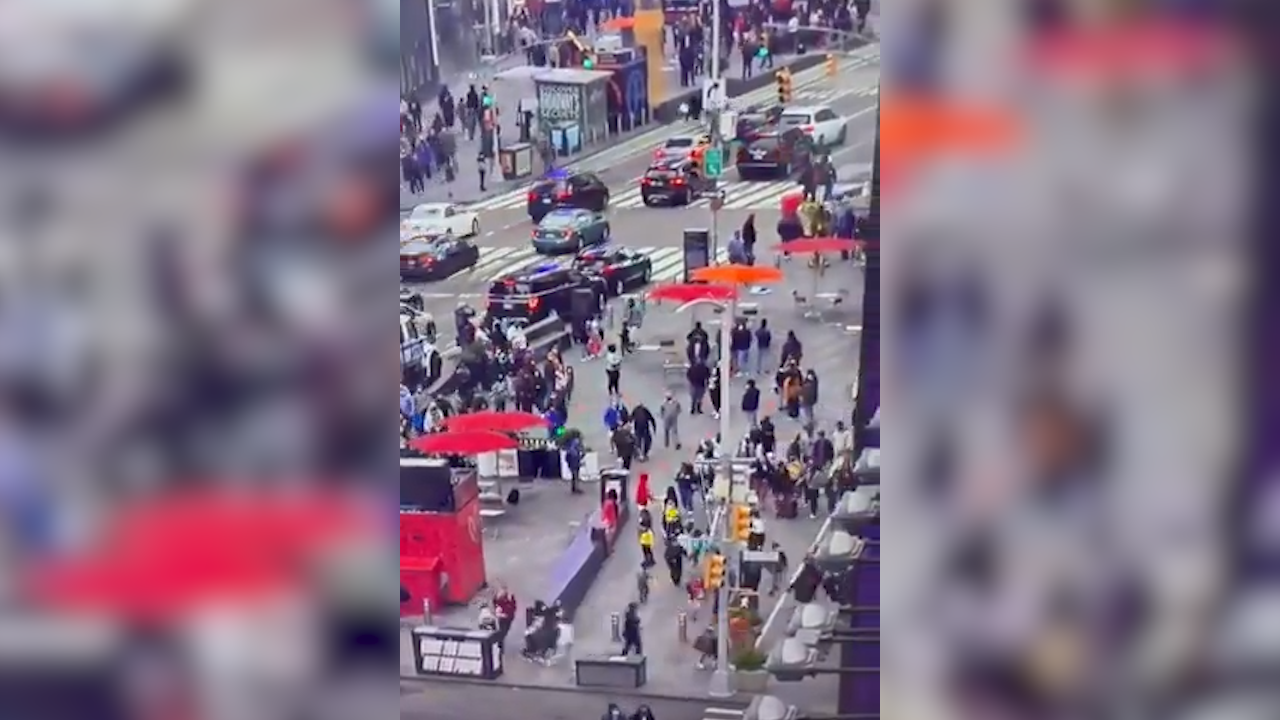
{"x": 753, "y": 682}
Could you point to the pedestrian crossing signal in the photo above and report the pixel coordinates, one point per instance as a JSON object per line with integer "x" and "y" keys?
{"x": 783, "y": 78}
{"x": 715, "y": 572}
{"x": 741, "y": 519}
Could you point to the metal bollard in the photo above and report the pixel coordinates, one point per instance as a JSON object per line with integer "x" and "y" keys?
{"x": 615, "y": 626}
{"x": 682, "y": 627}
{"x": 426, "y": 611}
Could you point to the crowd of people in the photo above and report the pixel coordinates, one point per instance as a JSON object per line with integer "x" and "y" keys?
{"x": 793, "y": 471}
{"x": 429, "y": 146}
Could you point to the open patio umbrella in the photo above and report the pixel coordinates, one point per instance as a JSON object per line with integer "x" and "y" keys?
{"x": 737, "y": 275}
{"x": 468, "y": 442}
{"x": 822, "y": 245}
{"x": 166, "y": 558}
{"x": 916, "y": 129}
{"x": 690, "y": 292}
{"x": 1150, "y": 47}
{"x": 493, "y": 421}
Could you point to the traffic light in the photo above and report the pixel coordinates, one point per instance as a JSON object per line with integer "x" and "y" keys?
{"x": 832, "y": 69}
{"x": 783, "y": 77}
{"x": 715, "y": 572}
{"x": 741, "y": 518}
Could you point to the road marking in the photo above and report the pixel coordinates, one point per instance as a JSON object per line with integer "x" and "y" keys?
{"x": 498, "y": 262}
{"x": 717, "y": 713}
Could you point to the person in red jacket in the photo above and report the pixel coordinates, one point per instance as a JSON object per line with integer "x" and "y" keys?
{"x": 609, "y": 515}
{"x": 505, "y": 607}
{"x": 643, "y": 495}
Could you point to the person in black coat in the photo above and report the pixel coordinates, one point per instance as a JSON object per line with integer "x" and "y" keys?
{"x": 631, "y": 639}
{"x": 644, "y": 425}
{"x": 749, "y": 238}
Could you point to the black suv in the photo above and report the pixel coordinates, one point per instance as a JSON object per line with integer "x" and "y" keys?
{"x": 672, "y": 182}
{"x": 775, "y": 155}
{"x": 584, "y": 190}
{"x": 534, "y": 296}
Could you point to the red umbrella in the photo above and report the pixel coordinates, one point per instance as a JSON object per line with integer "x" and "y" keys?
{"x": 466, "y": 442}
{"x": 494, "y": 421}
{"x": 690, "y": 292}
{"x": 168, "y": 557}
{"x": 818, "y": 245}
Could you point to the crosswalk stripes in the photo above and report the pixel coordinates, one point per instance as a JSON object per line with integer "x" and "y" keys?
{"x": 809, "y": 90}
{"x": 739, "y": 195}
{"x": 719, "y": 713}
{"x": 496, "y": 262}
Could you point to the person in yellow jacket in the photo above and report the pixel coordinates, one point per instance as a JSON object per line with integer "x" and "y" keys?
{"x": 646, "y": 547}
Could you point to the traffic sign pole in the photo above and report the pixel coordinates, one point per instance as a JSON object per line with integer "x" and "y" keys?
{"x": 713, "y": 161}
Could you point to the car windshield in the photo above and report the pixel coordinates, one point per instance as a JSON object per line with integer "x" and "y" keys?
{"x": 427, "y": 213}
{"x": 591, "y": 262}
{"x": 423, "y": 247}
{"x": 509, "y": 287}
{"x": 559, "y": 221}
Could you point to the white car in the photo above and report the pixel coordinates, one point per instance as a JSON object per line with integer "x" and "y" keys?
{"x": 820, "y": 123}
{"x": 441, "y": 218}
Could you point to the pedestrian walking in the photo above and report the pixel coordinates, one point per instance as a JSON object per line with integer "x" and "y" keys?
{"x": 670, "y": 413}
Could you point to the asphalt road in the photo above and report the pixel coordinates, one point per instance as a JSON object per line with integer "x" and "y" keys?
{"x": 479, "y": 702}
{"x": 849, "y": 92}
{"x": 505, "y": 227}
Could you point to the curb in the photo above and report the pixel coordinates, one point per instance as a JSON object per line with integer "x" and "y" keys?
{"x": 638, "y": 693}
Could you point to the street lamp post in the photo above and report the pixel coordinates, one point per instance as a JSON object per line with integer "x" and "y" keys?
{"x": 721, "y": 682}
{"x": 868, "y": 400}
{"x": 721, "y": 685}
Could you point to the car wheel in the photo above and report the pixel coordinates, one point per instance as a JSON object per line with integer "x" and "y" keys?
{"x": 606, "y": 235}
{"x": 648, "y": 275}
{"x": 844, "y": 136}
{"x": 475, "y": 227}
{"x": 618, "y": 288}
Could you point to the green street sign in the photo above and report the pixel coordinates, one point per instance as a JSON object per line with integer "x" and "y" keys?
{"x": 714, "y": 162}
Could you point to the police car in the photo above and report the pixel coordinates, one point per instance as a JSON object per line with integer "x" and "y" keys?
{"x": 420, "y": 361}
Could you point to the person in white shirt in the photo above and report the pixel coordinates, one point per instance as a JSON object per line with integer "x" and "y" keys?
{"x": 613, "y": 370}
